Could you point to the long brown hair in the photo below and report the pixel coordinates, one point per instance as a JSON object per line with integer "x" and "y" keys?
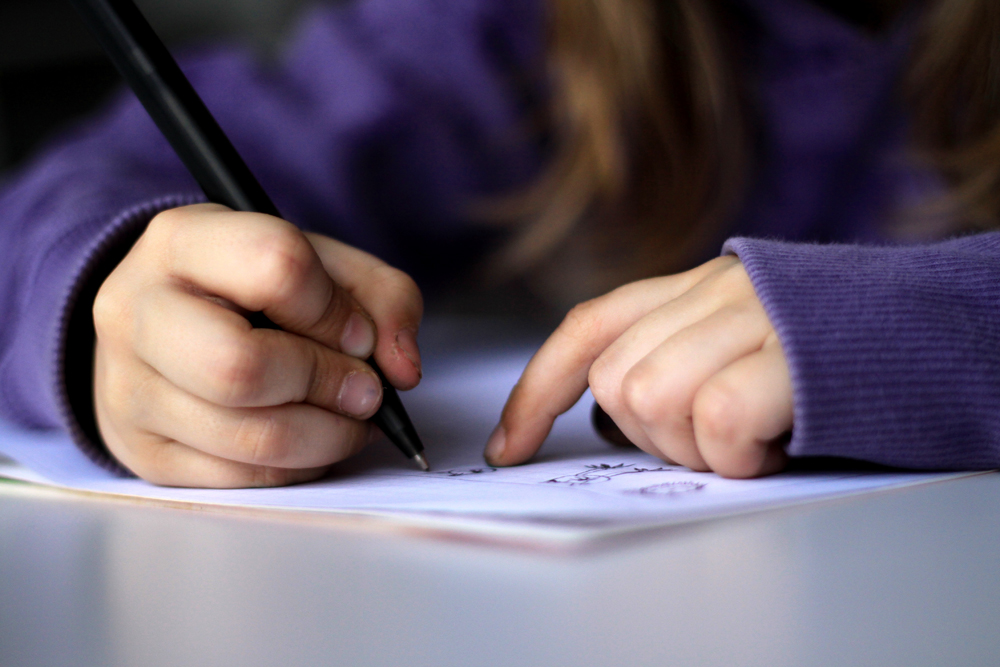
{"x": 650, "y": 134}
{"x": 953, "y": 87}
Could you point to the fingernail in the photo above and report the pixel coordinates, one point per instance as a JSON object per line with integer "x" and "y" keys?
{"x": 358, "y": 339}
{"x": 495, "y": 445}
{"x": 406, "y": 340}
{"x": 359, "y": 394}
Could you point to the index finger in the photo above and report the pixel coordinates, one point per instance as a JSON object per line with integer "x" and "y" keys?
{"x": 556, "y": 376}
{"x": 265, "y": 264}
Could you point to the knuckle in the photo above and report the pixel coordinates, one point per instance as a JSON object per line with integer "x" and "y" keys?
{"x": 108, "y": 311}
{"x": 716, "y": 412}
{"x": 238, "y": 373}
{"x": 646, "y": 396}
{"x": 165, "y": 225}
{"x": 583, "y": 321}
{"x": 601, "y": 378}
{"x": 325, "y": 380}
{"x": 285, "y": 263}
{"x": 654, "y": 400}
{"x": 397, "y": 286}
{"x": 262, "y": 439}
{"x": 332, "y": 318}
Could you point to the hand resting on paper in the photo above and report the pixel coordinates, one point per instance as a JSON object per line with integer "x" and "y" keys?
{"x": 688, "y": 366}
{"x": 187, "y": 393}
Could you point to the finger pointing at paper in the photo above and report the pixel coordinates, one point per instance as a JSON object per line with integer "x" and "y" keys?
{"x": 688, "y": 366}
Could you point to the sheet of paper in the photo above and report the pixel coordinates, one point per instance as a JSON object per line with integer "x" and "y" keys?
{"x": 578, "y": 489}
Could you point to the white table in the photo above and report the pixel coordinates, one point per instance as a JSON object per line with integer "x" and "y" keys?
{"x": 904, "y": 577}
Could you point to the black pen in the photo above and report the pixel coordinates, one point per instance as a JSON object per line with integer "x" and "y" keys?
{"x": 152, "y": 73}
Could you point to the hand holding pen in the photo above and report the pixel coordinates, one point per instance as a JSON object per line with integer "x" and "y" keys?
{"x": 229, "y": 343}
{"x": 188, "y": 393}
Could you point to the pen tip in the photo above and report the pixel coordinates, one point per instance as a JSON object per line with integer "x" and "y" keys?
{"x": 422, "y": 462}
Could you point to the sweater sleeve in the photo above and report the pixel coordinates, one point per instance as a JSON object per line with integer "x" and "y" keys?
{"x": 379, "y": 124}
{"x": 894, "y": 351}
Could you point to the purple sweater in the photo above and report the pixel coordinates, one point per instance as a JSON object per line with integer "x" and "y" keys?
{"x": 383, "y": 120}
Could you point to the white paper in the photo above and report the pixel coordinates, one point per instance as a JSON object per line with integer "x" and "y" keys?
{"x": 577, "y": 489}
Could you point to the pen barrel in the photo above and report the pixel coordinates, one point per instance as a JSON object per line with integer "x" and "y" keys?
{"x": 172, "y": 103}
{"x": 392, "y": 419}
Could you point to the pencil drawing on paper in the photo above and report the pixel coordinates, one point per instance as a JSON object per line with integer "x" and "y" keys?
{"x": 668, "y": 489}
{"x": 462, "y": 472}
{"x": 601, "y": 472}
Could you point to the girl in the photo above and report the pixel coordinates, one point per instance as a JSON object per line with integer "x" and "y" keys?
{"x": 618, "y": 140}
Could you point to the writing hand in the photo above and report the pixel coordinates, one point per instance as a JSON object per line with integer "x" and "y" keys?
{"x": 187, "y": 393}
{"x": 688, "y": 366}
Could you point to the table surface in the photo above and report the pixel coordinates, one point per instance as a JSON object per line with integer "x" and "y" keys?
{"x": 904, "y": 577}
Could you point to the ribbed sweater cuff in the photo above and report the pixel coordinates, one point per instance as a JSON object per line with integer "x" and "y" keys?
{"x": 74, "y": 349}
{"x": 894, "y": 352}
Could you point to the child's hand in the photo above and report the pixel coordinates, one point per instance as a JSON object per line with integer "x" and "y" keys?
{"x": 187, "y": 393}
{"x": 688, "y": 366}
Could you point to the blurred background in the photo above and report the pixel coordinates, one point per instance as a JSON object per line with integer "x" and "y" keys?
{"x": 51, "y": 71}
